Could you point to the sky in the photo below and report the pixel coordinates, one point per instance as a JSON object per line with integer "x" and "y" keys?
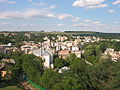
{"x": 60, "y": 15}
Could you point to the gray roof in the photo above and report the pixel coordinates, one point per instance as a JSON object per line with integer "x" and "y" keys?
{"x": 38, "y": 52}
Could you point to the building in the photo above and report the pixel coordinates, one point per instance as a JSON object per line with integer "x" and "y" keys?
{"x": 115, "y": 55}
{"x": 109, "y": 51}
{"x": 61, "y": 70}
{"x": 63, "y": 54}
{"x": 46, "y": 55}
{"x": 5, "y": 49}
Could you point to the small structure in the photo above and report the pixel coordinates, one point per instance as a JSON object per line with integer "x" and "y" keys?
{"x": 8, "y": 61}
{"x": 63, "y": 69}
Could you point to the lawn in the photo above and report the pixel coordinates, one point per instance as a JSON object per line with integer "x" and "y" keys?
{"x": 10, "y": 88}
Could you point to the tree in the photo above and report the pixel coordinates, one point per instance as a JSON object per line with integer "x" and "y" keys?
{"x": 2, "y": 55}
{"x": 106, "y": 75}
{"x": 59, "y": 62}
{"x": 32, "y": 66}
{"x": 71, "y": 58}
{"x": 49, "y": 78}
{"x": 0, "y": 76}
{"x": 81, "y": 70}
{"x": 69, "y": 83}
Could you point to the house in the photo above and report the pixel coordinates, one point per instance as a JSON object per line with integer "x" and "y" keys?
{"x": 115, "y": 57}
{"x": 46, "y": 55}
{"x": 61, "y": 70}
{"x": 77, "y": 53}
{"x": 27, "y": 48}
{"x": 63, "y": 54}
{"x": 5, "y": 49}
{"x": 8, "y": 61}
{"x": 109, "y": 51}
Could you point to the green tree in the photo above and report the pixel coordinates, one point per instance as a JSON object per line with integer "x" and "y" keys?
{"x": 71, "y": 58}
{"x": 32, "y": 66}
{"x": 49, "y": 78}
{"x": 2, "y": 55}
{"x": 107, "y": 75}
{"x": 0, "y": 76}
{"x": 59, "y": 62}
{"x": 69, "y": 83}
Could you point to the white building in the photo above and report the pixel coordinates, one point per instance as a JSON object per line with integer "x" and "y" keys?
{"x": 46, "y": 55}
{"x": 109, "y": 51}
{"x": 61, "y": 70}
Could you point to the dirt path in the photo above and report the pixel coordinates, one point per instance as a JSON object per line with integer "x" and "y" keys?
{"x": 27, "y": 86}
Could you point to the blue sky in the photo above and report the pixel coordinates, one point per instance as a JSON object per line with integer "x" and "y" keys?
{"x": 59, "y": 15}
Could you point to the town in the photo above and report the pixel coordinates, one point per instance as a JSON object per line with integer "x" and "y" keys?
{"x": 55, "y": 52}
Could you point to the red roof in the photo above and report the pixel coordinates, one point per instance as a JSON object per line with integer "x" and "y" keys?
{"x": 64, "y": 52}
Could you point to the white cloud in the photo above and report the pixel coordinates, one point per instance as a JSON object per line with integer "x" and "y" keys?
{"x": 115, "y": 22}
{"x": 116, "y": 2}
{"x": 12, "y": 2}
{"x": 29, "y": 0}
{"x": 51, "y": 15}
{"x": 4, "y": 23}
{"x": 87, "y": 20}
{"x": 33, "y": 13}
{"x": 111, "y": 11}
{"x": 90, "y": 3}
{"x": 60, "y": 25}
{"x": 97, "y": 6}
{"x": 38, "y": 3}
{"x": 50, "y": 7}
{"x": 3, "y": 0}
{"x": 76, "y": 19}
{"x": 81, "y": 25}
{"x": 26, "y": 14}
{"x": 96, "y": 22}
{"x": 64, "y": 16}
{"x": 8, "y": 1}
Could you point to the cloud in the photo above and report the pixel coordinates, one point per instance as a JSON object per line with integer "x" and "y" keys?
{"x": 4, "y": 23}
{"x": 12, "y": 2}
{"x": 111, "y": 11}
{"x": 60, "y": 25}
{"x": 89, "y": 3}
{"x": 38, "y": 3}
{"x": 8, "y": 1}
{"x": 50, "y": 7}
{"x": 80, "y": 25}
{"x": 115, "y": 22}
{"x": 89, "y": 25}
{"x": 3, "y": 0}
{"x": 96, "y": 22}
{"x": 76, "y": 19}
{"x": 26, "y": 14}
{"x": 29, "y": 0}
{"x": 87, "y": 20}
{"x": 97, "y": 6}
{"x": 116, "y": 2}
{"x": 64, "y": 16}
{"x": 34, "y": 13}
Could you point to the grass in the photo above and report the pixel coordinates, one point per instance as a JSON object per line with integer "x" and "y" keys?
{"x": 10, "y": 88}
{"x": 10, "y": 85}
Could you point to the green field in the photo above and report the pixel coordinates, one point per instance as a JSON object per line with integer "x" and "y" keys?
{"x": 10, "y": 88}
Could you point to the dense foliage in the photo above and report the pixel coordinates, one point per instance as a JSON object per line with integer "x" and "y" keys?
{"x": 101, "y": 74}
